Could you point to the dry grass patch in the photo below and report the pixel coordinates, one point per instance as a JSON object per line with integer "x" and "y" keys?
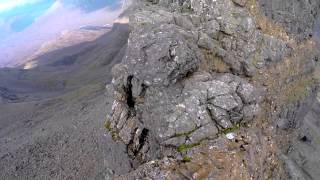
{"x": 212, "y": 63}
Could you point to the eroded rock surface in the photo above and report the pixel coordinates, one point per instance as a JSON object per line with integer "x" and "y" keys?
{"x": 196, "y": 71}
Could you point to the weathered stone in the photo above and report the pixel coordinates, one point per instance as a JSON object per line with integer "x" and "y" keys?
{"x": 283, "y": 124}
{"x": 220, "y": 116}
{"x": 236, "y": 117}
{"x": 119, "y": 114}
{"x": 126, "y": 131}
{"x": 206, "y": 42}
{"x": 247, "y": 93}
{"x": 161, "y": 56}
{"x": 249, "y": 68}
{"x": 209, "y": 131}
{"x": 175, "y": 141}
{"x": 250, "y": 112}
{"x": 212, "y": 28}
{"x": 184, "y": 125}
{"x": 146, "y": 16}
{"x": 217, "y": 88}
{"x": 183, "y": 21}
{"x": 226, "y": 102}
{"x": 196, "y": 20}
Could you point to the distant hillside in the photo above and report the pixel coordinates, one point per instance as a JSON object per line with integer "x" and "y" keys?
{"x": 66, "y": 39}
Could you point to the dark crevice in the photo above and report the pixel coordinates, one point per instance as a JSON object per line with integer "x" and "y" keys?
{"x": 305, "y": 139}
{"x": 143, "y": 91}
{"x": 130, "y": 100}
{"x": 133, "y": 150}
{"x": 143, "y": 139}
{"x": 130, "y": 146}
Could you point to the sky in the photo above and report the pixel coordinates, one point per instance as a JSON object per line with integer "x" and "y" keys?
{"x": 26, "y": 24}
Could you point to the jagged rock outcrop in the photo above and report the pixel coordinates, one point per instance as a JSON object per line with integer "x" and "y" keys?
{"x": 195, "y": 71}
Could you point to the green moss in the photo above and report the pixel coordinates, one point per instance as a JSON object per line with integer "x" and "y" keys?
{"x": 113, "y": 133}
{"x": 185, "y": 147}
{"x": 186, "y": 159}
{"x": 114, "y": 136}
{"x": 107, "y": 125}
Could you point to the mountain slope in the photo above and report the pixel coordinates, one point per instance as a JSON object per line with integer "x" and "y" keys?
{"x": 52, "y": 115}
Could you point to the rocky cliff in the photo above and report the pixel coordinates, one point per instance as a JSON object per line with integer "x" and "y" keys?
{"x": 218, "y": 89}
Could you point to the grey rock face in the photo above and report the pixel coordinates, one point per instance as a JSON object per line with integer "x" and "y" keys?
{"x": 220, "y": 115}
{"x": 249, "y": 93}
{"x": 297, "y": 17}
{"x": 229, "y": 31}
{"x": 188, "y": 111}
{"x": 208, "y": 131}
{"x": 160, "y": 55}
{"x": 164, "y": 98}
{"x": 160, "y": 99}
{"x": 226, "y": 102}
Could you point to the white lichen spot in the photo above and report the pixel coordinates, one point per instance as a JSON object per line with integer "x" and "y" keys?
{"x": 148, "y": 83}
{"x": 182, "y": 106}
{"x": 152, "y": 162}
{"x": 157, "y": 80}
{"x": 230, "y": 136}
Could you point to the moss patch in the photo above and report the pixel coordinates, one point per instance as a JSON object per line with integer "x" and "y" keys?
{"x": 113, "y": 133}
{"x": 107, "y": 125}
{"x": 185, "y": 147}
{"x": 186, "y": 159}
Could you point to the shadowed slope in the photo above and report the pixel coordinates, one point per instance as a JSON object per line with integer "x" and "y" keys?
{"x": 51, "y": 116}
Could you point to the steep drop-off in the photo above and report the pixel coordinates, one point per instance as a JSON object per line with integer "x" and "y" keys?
{"x": 51, "y": 116}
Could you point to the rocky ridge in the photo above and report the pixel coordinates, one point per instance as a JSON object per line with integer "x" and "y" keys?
{"x": 214, "y": 89}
